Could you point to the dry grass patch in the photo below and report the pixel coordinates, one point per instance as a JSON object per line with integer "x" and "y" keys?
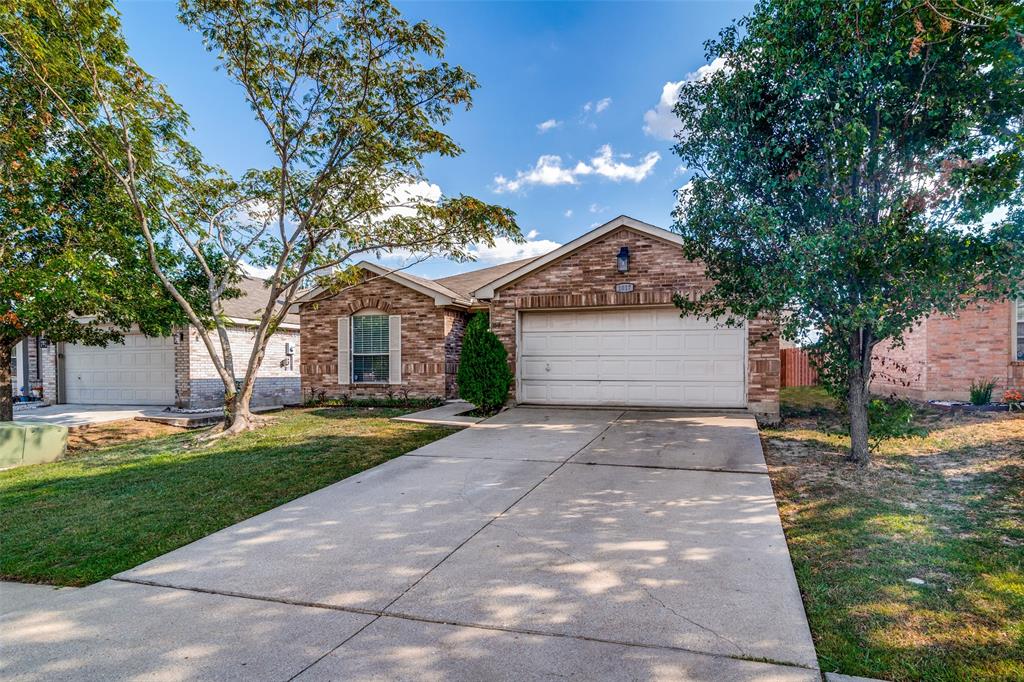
{"x": 115, "y": 433}
{"x": 945, "y": 507}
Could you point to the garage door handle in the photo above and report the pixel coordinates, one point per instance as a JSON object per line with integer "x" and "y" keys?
{"x": 547, "y": 367}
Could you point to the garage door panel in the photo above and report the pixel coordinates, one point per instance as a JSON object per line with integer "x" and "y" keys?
{"x": 631, "y": 357}
{"x": 139, "y": 372}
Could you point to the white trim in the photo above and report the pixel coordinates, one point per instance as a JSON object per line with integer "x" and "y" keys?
{"x": 18, "y": 353}
{"x": 245, "y": 322}
{"x": 344, "y": 349}
{"x": 1015, "y": 319}
{"x": 394, "y": 349}
{"x": 487, "y": 291}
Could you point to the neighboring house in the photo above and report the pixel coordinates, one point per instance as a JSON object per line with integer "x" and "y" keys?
{"x": 172, "y": 370}
{"x": 944, "y": 354}
{"x": 591, "y": 323}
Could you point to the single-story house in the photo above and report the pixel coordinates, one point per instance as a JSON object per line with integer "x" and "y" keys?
{"x": 590, "y": 323}
{"x": 944, "y": 354}
{"x": 171, "y": 370}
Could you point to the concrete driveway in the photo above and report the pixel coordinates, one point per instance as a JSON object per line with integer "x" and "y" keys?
{"x": 592, "y": 544}
{"x": 75, "y": 416}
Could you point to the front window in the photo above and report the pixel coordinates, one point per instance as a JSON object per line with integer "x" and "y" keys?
{"x": 370, "y": 360}
{"x": 1020, "y": 329}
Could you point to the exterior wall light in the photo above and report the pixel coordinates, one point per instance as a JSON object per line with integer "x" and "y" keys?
{"x": 622, "y": 260}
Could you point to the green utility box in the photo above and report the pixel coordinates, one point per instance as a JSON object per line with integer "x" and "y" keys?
{"x": 31, "y": 443}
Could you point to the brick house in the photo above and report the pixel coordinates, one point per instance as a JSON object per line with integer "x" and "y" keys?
{"x": 944, "y": 354}
{"x": 172, "y": 370}
{"x": 590, "y": 323}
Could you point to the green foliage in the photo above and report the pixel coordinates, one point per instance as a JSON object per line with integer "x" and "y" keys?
{"x": 352, "y": 99}
{"x": 484, "y": 376}
{"x": 981, "y": 391}
{"x": 847, "y": 155}
{"x": 391, "y": 401}
{"x": 890, "y": 418}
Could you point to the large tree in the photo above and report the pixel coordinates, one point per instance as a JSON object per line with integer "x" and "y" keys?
{"x": 352, "y": 99}
{"x": 846, "y": 156}
{"x": 72, "y": 264}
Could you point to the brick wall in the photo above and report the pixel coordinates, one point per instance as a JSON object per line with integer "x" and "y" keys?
{"x": 587, "y": 277}
{"x": 182, "y": 354}
{"x": 42, "y": 369}
{"x": 424, "y": 332}
{"x": 277, "y": 381}
{"x": 902, "y": 371}
{"x": 946, "y": 353}
{"x": 454, "y": 328}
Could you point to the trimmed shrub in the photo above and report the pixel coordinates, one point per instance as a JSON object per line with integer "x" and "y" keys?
{"x": 484, "y": 376}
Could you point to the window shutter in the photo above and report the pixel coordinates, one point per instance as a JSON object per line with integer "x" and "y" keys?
{"x": 395, "y": 349}
{"x": 344, "y": 351}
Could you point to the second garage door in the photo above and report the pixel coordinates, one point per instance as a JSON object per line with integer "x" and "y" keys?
{"x": 140, "y": 372}
{"x": 641, "y": 357}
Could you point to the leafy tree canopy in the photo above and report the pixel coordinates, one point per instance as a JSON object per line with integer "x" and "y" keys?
{"x": 847, "y": 155}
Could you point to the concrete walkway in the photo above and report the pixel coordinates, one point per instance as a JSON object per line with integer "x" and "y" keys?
{"x": 593, "y": 544}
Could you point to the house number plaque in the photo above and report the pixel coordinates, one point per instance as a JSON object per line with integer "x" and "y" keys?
{"x": 624, "y": 288}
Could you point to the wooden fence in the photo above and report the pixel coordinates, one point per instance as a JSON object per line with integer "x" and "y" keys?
{"x": 797, "y": 369}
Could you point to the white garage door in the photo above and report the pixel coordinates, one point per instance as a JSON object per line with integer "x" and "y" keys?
{"x": 140, "y": 372}
{"x": 644, "y": 356}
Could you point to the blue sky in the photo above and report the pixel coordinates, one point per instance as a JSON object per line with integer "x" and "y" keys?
{"x": 593, "y": 70}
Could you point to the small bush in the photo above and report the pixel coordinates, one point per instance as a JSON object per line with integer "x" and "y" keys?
{"x": 484, "y": 376}
{"x": 391, "y": 400}
{"x": 981, "y": 391}
{"x": 890, "y": 418}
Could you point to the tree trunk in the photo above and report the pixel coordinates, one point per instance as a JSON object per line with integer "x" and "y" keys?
{"x": 6, "y": 399}
{"x": 239, "y": 417}
{"x": 858, "y": 395}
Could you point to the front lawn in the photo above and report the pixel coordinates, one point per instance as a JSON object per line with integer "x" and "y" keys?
{"x": 101, "y": 511}
{"x": 913, "y": 568}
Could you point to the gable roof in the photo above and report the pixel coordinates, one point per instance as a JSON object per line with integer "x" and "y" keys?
{"x": 441, "y": 294}
{"x": 465, "y": 283}
{"x": 465, "y": 288}
{"x": 487, "y": 290}
{"x": 249, "y": 306}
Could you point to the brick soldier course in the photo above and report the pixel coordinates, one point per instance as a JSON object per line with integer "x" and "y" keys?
{"x": 434, "y": 312}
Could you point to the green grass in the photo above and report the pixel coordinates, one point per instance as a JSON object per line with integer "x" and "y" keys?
{"x": 945, "y": 506}
{"x": 94, "y": 514}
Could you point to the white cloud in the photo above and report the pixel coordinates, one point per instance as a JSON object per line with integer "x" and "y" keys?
{"x": 547, "y": 125}
{"x": 568, "y": 213}
{"x": 402, "y": 199}
{"x": 605, "y": 165}
{"x": 597, "y": 208}
{"x": 258, "y": 271}
{"x": 661, "y": 121}
{"x": 549, "y": 170}
{"x": 682, "y": 197}
{"x": 594, "y": 107}
{"x": 505, "y": 250}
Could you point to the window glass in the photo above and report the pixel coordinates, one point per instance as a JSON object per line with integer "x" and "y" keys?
{"x": 1020, "y": 329}
{"x": 370, "y": 334}
{"x": 370, "y": 360}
